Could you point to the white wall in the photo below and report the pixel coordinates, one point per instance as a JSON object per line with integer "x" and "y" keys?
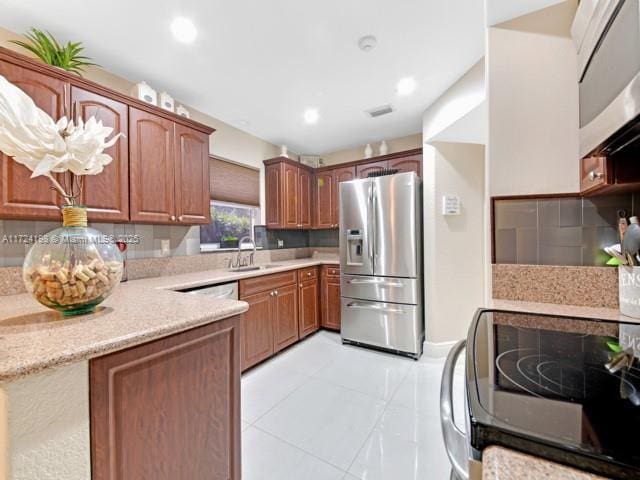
{"x": 454, "y": 245}
{"x": 458, "y": 103}
{"x": 533, "y": 104}
{"x": 395, "y": 145}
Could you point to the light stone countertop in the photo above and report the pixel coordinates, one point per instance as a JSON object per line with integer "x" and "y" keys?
{"x": 503, "y": 464}
{"x": 597, "y": 313}
{"x": 33, "y": 338}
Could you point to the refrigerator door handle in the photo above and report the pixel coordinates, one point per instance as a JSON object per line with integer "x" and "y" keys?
{"x": 376, "y": 234}
{"x": 370, "y": 229}
{"x": 377, "y": 308}
{"x": 455, "y": 440}
{"x": 373, "y": 281}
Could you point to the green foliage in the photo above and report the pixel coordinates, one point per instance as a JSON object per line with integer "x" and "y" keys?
{"x": 68, "y": 57}
{"x": 233, "y": 225}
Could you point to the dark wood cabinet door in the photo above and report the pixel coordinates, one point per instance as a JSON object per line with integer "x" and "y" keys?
{"x": 325, "y": 199}
{"x": 169, "y": 409}
{"x": 290, "y": 196}
{"x": 309, "y": 313}
{"x": 343, "y": 174}
{"x": 20, "y": 195}
{"x": 411, "y": 163}
{"x": 273, "y": 194}
{"x": 192, "y": 196}
{"x": 285, "y": 317}
{"x": 330, "y": 286}
{"x": 151, "y": 168}
{"x": 256, "y": 329}
{"x": 363, "y": 171}
{"x": 305, "y": 203}
{"x": 106, "y": 194}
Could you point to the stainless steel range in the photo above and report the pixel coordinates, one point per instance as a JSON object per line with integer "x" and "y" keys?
{"x": 562, "y": 388}
{"x": 381, "y": 263}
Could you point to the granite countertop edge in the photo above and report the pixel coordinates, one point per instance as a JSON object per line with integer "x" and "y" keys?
{"x": 28, "y": 347}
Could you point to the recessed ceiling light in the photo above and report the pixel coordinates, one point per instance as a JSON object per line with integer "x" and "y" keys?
{"x": 406, "y": 86}
{"x": 311, "y": 115}
{"x": 183, "y": 30}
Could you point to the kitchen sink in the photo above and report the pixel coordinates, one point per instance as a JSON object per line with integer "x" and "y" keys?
{"x": 251, "y": 268}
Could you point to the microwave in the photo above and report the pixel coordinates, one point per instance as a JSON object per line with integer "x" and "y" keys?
{"x": 607, "y": 37}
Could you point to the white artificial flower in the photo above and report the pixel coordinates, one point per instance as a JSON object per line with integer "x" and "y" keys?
{"x": 44, "y": 146}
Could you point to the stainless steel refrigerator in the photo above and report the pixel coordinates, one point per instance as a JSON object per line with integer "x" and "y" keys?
{"x": 381, "y": 263}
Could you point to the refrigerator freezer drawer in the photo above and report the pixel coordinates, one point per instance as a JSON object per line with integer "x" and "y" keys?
{"x": 384, "y": 325}
{"x": 381, "y": 289}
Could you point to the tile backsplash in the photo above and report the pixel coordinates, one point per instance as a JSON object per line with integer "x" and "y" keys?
{"x": 183, "y": 240}
{"x": 558, "y": 231}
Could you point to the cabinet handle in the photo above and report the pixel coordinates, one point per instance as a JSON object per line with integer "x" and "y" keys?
{"x": 275, "y": 293}
{"x": 308, "y": 274}
{"x": 180, "y": 218}
{"x": 593, "y": 175}
{"x": 300, "y": 285}
{"x": 173, "y": 218}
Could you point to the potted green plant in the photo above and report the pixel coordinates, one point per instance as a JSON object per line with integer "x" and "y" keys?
{"x": 229, "y": 241}
{"x": 44, "y": 46}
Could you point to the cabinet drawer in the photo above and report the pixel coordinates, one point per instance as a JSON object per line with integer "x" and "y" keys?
{"x": 250, "y": 286}
{"x": 331, "y": 271}
{"x": 307, "y": 273}
{"x": 594, "y": 173}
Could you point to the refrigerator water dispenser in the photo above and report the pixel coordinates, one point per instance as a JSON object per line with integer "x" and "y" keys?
{"x": 354, "y": 247}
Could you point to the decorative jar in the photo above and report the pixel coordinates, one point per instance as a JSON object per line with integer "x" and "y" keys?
{"x": 72, "y": 269}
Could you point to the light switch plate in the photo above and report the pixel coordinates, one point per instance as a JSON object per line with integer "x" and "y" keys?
{"x": 165, "y": 248}
{"x": 280, "y": 243}
{"x": 450, "y": 205}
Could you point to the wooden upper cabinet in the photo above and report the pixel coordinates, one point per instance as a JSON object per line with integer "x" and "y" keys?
{"x": 273, "y": 196}
{"x": 106, "y": 194}
{"x": 192, "y": 196}
{"x": 363, "y": 170}
{"x": 169, "y": 409}
{"x": 342, "y": 174}
{"x": 20, "y": 195}
{"x": 305, "y": 202}
{"x": 325, "y": 199}
{"x": 285, "y": 317}
{"x": 152, "y": 168}
{"x": 290, "y": 196}
{"x": 412, "y": 163}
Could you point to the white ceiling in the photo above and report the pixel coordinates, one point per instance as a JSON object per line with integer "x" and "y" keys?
{"x": 259, "y": 64}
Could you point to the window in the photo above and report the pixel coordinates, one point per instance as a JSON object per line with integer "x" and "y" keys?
{"x": 229, "y": 223}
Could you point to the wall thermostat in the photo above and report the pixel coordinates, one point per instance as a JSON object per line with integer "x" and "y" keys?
{"x": 450, "y": 205}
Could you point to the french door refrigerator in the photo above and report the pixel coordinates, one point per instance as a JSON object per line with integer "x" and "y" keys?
{"x": 381, "y": 263}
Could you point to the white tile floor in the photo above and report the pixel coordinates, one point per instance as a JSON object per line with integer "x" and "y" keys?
{"x": 324, "y": 411}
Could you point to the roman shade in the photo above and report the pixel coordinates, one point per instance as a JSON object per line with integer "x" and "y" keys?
{"x": 230, "y": 182}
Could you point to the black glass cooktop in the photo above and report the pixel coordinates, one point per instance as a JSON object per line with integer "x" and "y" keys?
{"x": 564, "y": 388}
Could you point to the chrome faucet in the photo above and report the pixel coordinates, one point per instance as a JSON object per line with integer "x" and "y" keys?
{"x": 240, "y": 262}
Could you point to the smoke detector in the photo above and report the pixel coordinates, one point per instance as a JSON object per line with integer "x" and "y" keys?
{"x": 379, "y": 111}
{"x": 367, "y": 43}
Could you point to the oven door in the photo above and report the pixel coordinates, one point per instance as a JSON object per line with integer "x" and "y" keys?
{"x": 465, "y": 464}
{"x": 609, "y": 74}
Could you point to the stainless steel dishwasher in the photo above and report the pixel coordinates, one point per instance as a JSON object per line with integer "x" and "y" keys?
{"x": 224, "y": 290}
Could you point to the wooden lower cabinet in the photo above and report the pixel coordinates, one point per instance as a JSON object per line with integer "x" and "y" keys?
{"x": 308, "y": 311}
{"x": 169, "y": 409}
{"x": 256, "y": 329}
{"x": 271, "y": 323}
{"x": 330, "y": 300}
{"x": 285, "y": 317}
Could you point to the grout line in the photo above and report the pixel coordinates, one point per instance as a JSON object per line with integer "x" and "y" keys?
{"x": 299, "y": 448}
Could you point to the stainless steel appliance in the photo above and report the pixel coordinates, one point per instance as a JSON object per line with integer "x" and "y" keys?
{"x": 381, "y": 263}
{"x": 561, "y": 388}
{"x": 221, "y": 291}
{"x": 607, "y": 36}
